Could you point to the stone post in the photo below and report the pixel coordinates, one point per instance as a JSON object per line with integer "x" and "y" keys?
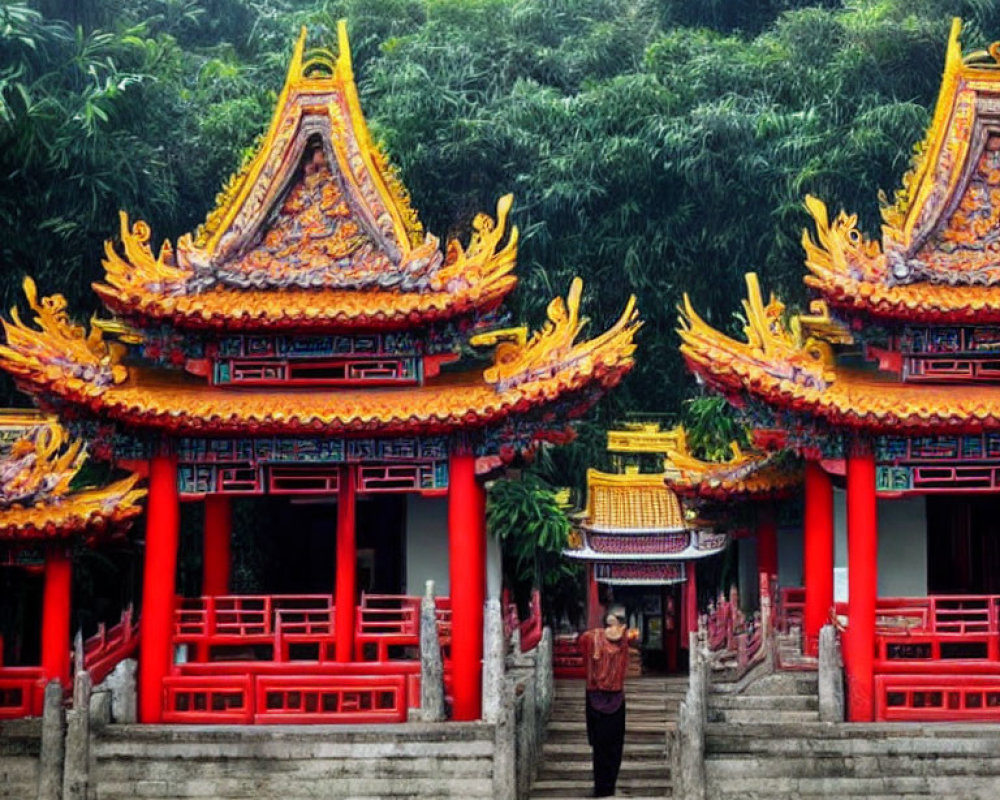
{"x": 527, "y": 749}
{"x": 690, "y": 760}
{"x": 544, "y": 681}
{"x": 50, "y": 760}
{"x": 493, "y": 660}
{"x": 831, "y": 676}
{"x": 75, "y": 773}
{"x": 121, "y": 682}
{"x": 505, "y": 747}
{"x": 431, "y": 668}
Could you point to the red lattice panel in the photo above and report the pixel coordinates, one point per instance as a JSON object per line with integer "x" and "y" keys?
{"x": 21, "y": 692}
{"x": 937, "y": 698}
{"x": 340, "y": 698}
{"x": 208, "y": 700}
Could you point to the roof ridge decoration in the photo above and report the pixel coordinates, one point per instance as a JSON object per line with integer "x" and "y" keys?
{"x": 941, "y": 232}
{"x": 317, "y": 207}
{"x": 35, "y": 487}
{"x": 646, "y": 438}
{"x": 786, "y": 353}
{"x": 746, "y": 473}
{"x": 59, "y": 349}
{"x": 553, "y": 347}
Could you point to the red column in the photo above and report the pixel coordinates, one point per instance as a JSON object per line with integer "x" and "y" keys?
{"x": 158, "y": 586}
{"x": 347, "y": 567}
{"x": 467, "y": 575}
{"x": 593, "y": 599}
{"x": 691, "y": 597}
{"x": 862, "y": 584}
{"x": 767, "y": 540}
{"x": 218, "y": 529}
{"x": 818, "y": 554}
{"x": 55, "y": 615}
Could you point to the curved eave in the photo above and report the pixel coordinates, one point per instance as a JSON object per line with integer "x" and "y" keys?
{"x": 736, "y": 494}
{"x": 688, "y": 554}
{"x": 152, "y": 400}
{"x": 64, "y": 521}
{"x": 767, "y": 484}
{"x": 859, "y": 400}
{"x": 911, "y": 303}
{"x": 321, "y": 310}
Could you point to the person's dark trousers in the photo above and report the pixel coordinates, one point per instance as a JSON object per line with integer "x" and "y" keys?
{"x": 606, "y": 735}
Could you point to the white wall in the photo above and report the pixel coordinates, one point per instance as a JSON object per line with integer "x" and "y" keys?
{"x": 427, "y": 548}
{"x": 426, "y": 544}
{"x": 902, "y": 544}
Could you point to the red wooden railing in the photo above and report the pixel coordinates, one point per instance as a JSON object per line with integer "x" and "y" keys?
{"x": 22, "y": 692}
{"x": 270, "y": 659}
{"x": 735, "y": 639}
{"x": 790, "y": 610}
{"x": 936, "y": 658}
{"x": 103, "y": 650}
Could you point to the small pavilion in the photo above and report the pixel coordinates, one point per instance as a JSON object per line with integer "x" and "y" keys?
{"x": 312, "y": 341}
{"x": 889, "y": 387}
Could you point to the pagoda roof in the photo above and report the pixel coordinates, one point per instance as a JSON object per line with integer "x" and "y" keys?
{"x": 64, "y": 365}
{"x": 782, "y": 367}
{"x": 939, "y": 256}
{"x": 38, "y": 463}
{"x": 630, "y": 503}
{"x": 643, "y": 438}
{"x": 314, "y": 231}
{"x": 745, "y": 476}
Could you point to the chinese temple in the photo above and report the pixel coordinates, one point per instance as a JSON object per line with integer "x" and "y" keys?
{"x": 44, "y": 516}
{"x": 889, "y": 390}
{"x": 639, "y": 545}
{"x": 313, "y": 345}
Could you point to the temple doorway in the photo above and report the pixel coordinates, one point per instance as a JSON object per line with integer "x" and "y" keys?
{"x": 963, "y": 544}
{"x": 292, "y": 544}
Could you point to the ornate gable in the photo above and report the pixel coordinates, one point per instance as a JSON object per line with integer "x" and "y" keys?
{"x": 318, "y": 207}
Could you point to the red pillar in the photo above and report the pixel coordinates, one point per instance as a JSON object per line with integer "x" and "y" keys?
{"x": 347, "y": 567}
{"x": 467, "y": 575}
{"x": 218, "y": 529}
{"x": 767, "y": 541}
{"x": 55, "y": 615}
{"x": 818, "y": 554}
{"x": 593, "y": 599}
{"x": 862, "y": 584}
{"x": 691, "y": 597}
{"x": 158, "y": 586}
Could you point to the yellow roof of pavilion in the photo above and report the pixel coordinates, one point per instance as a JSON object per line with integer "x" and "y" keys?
{"x": 316, "y": 231}
{"x": 939, "y": 255}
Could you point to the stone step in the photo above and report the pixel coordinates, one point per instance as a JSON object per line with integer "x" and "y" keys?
{"x": 750, "y": 716}
{"x": 734, "y": 768}
{"x": 933, "y": 786}
{"x": 630, "y": 770}
{"x": 576, "y": 751}
{"x": 583, "y": 787}
{"x": 783, "y": 683}
{"x": 765, "y": 702}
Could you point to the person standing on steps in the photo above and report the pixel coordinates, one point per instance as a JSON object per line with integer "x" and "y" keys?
{"x": 605, "y": 653}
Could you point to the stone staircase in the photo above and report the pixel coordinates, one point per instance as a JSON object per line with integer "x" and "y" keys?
{"x": 565, "y": 770}
{"x": 766, "y": 742}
